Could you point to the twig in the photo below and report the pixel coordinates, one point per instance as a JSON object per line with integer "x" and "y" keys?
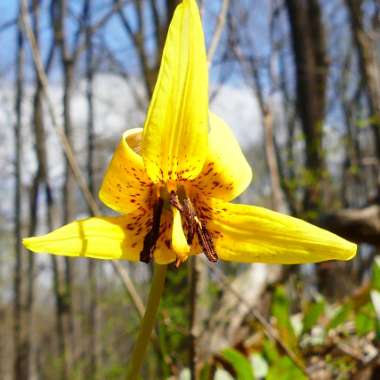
{"x": 127, "y": 282}
{"x": 218, "y": 31}
{"x": 79, "y": 178}
{"x": 100, "y": 23}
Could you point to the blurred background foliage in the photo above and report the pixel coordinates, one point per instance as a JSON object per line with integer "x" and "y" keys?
{"x": 299, "y": 83}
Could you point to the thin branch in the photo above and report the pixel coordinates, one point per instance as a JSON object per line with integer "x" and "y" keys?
{"x": 218, "y": 30}
{"x": 130, "y": 287}
{"x": 97, "y": 25}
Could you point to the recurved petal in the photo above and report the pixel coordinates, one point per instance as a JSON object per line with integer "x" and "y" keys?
{"x": 176, "y": 127}
{"x": 254, "y": 234}
{"x": 99, "y": 237}
{"x": 126, "y": 186}
{"x": 226, "y": 173}
{"x": 108, "y": 238}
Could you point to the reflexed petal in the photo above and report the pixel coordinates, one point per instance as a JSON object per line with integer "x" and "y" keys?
{"x": 254, "y": 234}
{"x": 176, "y": 127}
{"x": 99, "y": 237}
{"x": 226, "y": 173}
{"x": 126, "y": 185}
{"x": 109, "y": 238}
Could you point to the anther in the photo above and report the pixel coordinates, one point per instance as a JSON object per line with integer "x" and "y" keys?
{"x": 174, "y": 201}
{"x": 189, "y": 216}
{"x": 194, "y": 225}
{"x": 152, "y": 236}
{"x": 206, "y": 242}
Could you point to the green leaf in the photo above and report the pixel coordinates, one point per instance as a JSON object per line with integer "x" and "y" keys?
{"x": 239, "y": 363}
{"x": 207, "y": 372}
{"x": 312, "y": 315}
{"x": 365, "y": 319}
{"x": 270, "y": 351}
{"x": 285, "y": 369}
{"x": 365, "y": 122}
{"x": 376, "y": 274}
{"x": 281, "y": 311}
{"x": 340, "y": 316}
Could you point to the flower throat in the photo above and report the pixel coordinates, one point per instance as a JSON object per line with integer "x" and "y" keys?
{"x": 192, "y": 224}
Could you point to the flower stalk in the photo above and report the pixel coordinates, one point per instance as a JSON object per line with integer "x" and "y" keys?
{"x": 147, "y": 323}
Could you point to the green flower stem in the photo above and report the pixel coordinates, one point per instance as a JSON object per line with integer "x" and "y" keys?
{"x": 147, "y": 323}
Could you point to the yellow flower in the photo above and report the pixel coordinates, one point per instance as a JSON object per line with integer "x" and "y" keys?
{"x": 174, "y": 179}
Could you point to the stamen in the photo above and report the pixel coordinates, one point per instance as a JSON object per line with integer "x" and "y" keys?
{"x": 189, "y": 216}
{"x": 206, "y": 242}
{"x": 152, "y": 236}
{"x": 193, "y": 225}
{"x": 174, "y": 201}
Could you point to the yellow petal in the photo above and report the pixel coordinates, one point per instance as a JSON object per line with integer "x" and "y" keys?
{"x": 163, "y": 255}
{"x": 226, "y": 173}
{"x": 100, "y": 238}
{"x": 176, "y": 127}
{"x": 179, "y": 242}
{"x": 108, "y": 238}
{"x": 126, "y": 186}
{"x": 254, "y": 234}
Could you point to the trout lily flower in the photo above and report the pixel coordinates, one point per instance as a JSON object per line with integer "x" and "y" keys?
{"x": 174, "y": 179}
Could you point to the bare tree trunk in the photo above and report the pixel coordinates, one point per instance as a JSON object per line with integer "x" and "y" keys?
{"x": 93, "y": 343}
{"x": 307, "y": 33}
{"x": 37, "y": 181}
{"x": 353, "y": 186}
{"x": 61, "y": 299}
{"x": 369, "y": 66}
{"x": 68, "y": 191}
{"x": 40, "y": 178}
{"x": 20, "y": 365}
{"x": 42, "y": 174}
